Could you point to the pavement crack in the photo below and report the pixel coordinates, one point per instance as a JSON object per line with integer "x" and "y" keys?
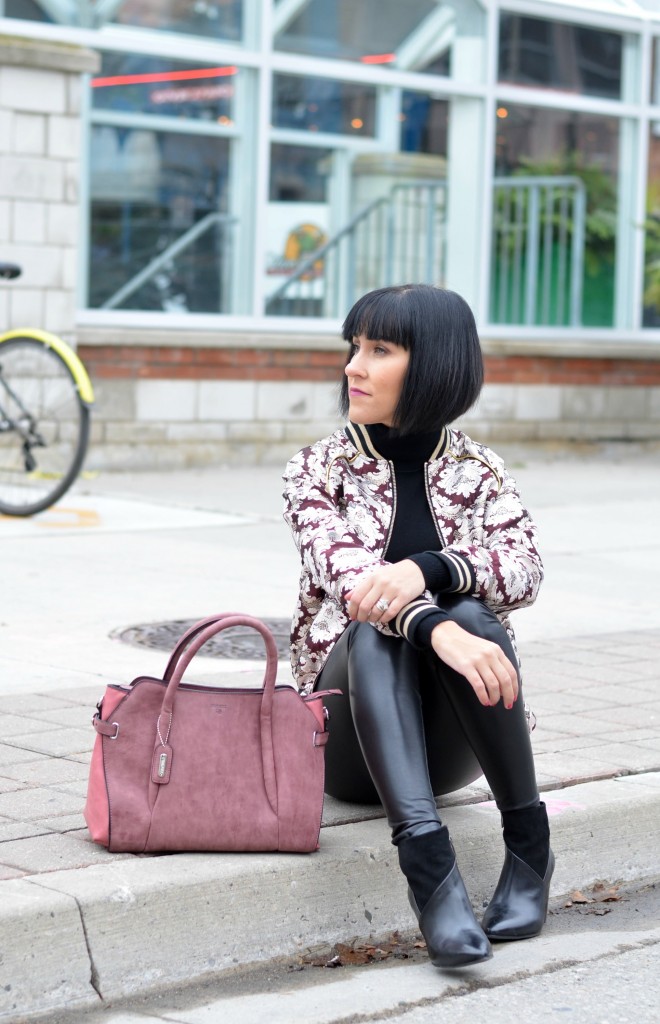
{"x": 94, "y": 974}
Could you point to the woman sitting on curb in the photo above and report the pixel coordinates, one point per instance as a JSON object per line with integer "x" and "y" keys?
{"x": 414, "y": 547}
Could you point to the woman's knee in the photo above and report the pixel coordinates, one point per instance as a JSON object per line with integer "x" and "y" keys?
{"x": 471, "y": 614}
{"x": 373, "y": 657}
{"x": 363, "y": 639}
{"x": 364, "y": 662}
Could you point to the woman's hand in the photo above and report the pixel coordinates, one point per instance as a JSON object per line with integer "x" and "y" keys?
{"x": 398, "y": 584}
{"x": 485, "y": 666}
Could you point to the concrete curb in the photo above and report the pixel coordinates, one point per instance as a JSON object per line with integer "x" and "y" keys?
{"x": 70, "y": 939}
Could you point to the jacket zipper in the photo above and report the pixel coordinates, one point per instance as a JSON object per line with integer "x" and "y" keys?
{"x": 430, "y": 504}
{"x": 394, "y": 503}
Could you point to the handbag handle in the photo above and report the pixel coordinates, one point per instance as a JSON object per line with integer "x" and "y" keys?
{"x": 199, "y": 634}
{"x": 189, "y": 635}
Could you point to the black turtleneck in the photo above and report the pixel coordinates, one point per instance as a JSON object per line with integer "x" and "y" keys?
{"x": 414, "y": 533}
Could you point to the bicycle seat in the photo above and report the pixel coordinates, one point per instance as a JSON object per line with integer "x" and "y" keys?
{"x": 9, "y": 270}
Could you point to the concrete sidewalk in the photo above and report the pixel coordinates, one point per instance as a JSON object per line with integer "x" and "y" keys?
{"x": 78, "y": 925}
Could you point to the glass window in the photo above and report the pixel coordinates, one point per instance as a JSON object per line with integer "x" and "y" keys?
{"x": 217, "y": 19}
{"x": 554, "y": 217}
{"x": 557, "y": 55}
{"x": 160, "y": 236}
{"x": 28, "y": 10}
{"x": 299, "y": 174}
{"x": 424, "y": 123}
{"x": 136, "y": 83}
{"x": 651, "y": 299}
{"x": 299, "y": 219}
{"x": 324, "y": 105}
{"x": 655, "y": 72}
{"x": 369, "y": 31}
{"x": 341, "y": 224}
{"x": 418, "y": 35}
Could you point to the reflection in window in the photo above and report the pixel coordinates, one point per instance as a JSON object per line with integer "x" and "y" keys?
{"x": 299, "y": 174}
{"x": 651, "y": 298}
{"x": 324, "y": 252}
{"x": 343, "y": 29}
{"x": 30, "y": 10}
{"x": 217, "y": 19}
{"x": 538, "y": 229}
{"x": 157, "y": 85}
{"x": 417, "y": 35}
{"x": 298, "y": 225}
{"x": 323, "y": 105}
{"x": 557, "y": 55}
{"x": 424, "y": 123}
{"x": 655, "y": 72}
{"x": 160, "y": 237}
{"x": 651, "y": 301}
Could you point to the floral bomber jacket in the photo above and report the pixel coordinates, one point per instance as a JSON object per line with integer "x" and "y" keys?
{"x": 340, "y": 499}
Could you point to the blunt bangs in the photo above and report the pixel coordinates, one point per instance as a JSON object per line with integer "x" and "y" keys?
{"x": 445, "y": 372}
{"x": 379, "y": 316}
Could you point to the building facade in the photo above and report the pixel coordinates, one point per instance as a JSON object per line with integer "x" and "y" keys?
{"x": 199, "y": 190}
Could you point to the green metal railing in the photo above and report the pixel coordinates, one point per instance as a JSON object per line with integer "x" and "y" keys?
{"x": 538, "y": 244}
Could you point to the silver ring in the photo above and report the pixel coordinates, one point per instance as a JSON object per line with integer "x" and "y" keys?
{"x": 382, "y": 605}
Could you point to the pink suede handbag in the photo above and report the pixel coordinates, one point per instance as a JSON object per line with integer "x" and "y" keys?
{"x": 185, "y": 767}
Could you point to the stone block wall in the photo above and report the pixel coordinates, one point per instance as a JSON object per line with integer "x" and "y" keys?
{"x": 569, "y": 393}
{"x": 218, "y": 400}
{"x": 175, "y": 401}
{"x": 40, "y": 149}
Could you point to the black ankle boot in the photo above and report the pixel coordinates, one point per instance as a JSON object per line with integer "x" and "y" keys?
{"x": 441, "y": 904}
{"x": 519, "y": 905}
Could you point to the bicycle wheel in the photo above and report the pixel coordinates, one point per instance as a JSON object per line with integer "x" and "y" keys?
{"x": 44, "y": 426}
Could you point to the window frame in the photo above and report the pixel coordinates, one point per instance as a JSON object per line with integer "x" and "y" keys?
{"x": 252, "y": 139}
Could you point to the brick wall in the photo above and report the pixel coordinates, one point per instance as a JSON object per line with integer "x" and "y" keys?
{"x": 258, "y": 399}
{"x": 190, "y": 363}
{"x": 39, "y": 179}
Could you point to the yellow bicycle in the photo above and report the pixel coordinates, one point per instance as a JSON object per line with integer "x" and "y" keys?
{"x": 45, "y": 409}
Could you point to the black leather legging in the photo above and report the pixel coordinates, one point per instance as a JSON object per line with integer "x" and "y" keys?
{"x": 409, "y": 728}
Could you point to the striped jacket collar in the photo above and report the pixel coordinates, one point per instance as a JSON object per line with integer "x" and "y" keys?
{"x": 359, "y": 436}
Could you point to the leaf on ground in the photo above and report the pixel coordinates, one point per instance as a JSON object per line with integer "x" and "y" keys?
{"x": 352, "y": 955}
{"x": 604, "y": 893}
{"x": 356, "y": 954}
{"x": 601, "y": 892}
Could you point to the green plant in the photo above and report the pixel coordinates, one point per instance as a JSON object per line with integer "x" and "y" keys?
{"x": 652, "y": 249}
{"x": 600, "y": 221}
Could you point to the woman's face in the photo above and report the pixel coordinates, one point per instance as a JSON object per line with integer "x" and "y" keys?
{"x": 375, "y": 374}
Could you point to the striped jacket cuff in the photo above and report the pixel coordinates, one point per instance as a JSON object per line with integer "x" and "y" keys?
{"x": 463, "y": 576}
{"x": 410, "y": 615}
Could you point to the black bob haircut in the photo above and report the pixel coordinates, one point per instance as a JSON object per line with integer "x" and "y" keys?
{"x": 445, "y": 373}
